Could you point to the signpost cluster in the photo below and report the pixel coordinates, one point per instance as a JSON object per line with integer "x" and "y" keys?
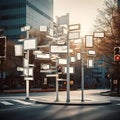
{"x": 60, "y": 35}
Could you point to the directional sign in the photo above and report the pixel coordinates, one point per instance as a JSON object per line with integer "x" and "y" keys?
{"x": 71, "y": 69}
{"x": 58, "y": 48}
{"x": 89, "y": 41}
{"x": 28, "y": 78}
{"x": 74, "y": 35}
{"x": 90, "y": 63}
{"x": 43, "y": 28}
{"x": 45, "y": 66}
{"x": 20, "y": 69}
{"x": 25, "y": 62}
{"x": 18, "y": 50}
{"x": 91, "y": 52}
{"x": 43, "y": 56}
{"x": 62, "y": 61}
{"x": 28, "y": 71}
{"x": 99, "y": 34}
{"x": 78, "y": 55}
{"x": 72, "y": 59}
{"x": 74, "y": 27}
{"x": 30, "y": 44}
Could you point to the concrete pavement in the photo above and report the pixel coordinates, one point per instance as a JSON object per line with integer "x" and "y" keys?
{"x": 91, "y": 97}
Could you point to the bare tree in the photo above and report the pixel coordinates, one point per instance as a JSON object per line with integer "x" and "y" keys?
{"x": 108, "y": 21}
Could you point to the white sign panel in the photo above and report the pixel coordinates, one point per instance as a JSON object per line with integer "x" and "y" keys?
{"x": 72, "y": 59}
{"x": 43, "y": 28}
{"x": 25, "y": 71}
{"x": 37, "y": 52}
{"x": 28, "y": 78}
{"x": 74, "y": 27}
{"x": 89, "y": 41}
{"x": 18, "y": 50}
{"x": 91, "y": 52}
{"x": 78, "y": 56}
{"x": 90, "y": 63}
{"x": 19, "y": 69}
{"x": 99, "y": 34}
{"x": 45, "y": 66}
{"x": 28, "y": 71}
{"x": 74, "y": 35}
{"x": 25, "y": 62}
{"x": 30, "y": 44}
{"x": 62, "y": 61}
{"x": 43, "y": 56}
{"x": 71, "y": 70}
{"x": 58, "y": 49}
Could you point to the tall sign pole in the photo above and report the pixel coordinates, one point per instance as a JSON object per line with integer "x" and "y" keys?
{"x": 82, "y": 78}
{"x": 27, "y": 81}
{"x": 68, "y": 71}
{"x": 64, "y": 20}
{"x": 68, "y": 64}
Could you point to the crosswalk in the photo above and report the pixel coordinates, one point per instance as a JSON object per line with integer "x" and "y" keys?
{"x": 6, "y": 103}
{"x": 14, "y": 102}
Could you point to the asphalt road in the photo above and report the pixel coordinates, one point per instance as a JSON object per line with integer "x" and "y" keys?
{"x": 16, "y": 108}
{"x": 59, "y": 112}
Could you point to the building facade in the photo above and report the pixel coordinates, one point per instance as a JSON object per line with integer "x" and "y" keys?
{"x": 15, "y": 14}
{"x": 95, "y": 77}
{"x": 118, "y": 3}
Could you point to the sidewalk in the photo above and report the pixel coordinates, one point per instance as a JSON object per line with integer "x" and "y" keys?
{"x": 91, "y": 97}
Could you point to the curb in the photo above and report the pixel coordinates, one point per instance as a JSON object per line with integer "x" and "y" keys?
{"x": 75, "y": 103}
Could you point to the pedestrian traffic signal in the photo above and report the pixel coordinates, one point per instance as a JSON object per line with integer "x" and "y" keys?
{"x": 2, "y": 46}
{"x": 117, "y": 54}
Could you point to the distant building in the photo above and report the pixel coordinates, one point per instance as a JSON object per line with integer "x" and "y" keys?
{"x": 95, "y": 77}
{"x": 15, "y": 14}
{"x": 118, "y": 4}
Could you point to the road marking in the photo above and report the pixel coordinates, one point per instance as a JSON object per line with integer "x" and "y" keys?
{"x": 23, "y": 102}
{"x": 118, "y": 104}
{"x": 6, "y": 103}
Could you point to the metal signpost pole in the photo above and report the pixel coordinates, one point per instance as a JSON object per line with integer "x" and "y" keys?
{"x": 57, "y": 89}
{"x": 68, "y": 65}
{"x": 82, "y": 78}
{"x": 68, "y": 72}
{"x": 57, "y": 84}
{"x": 27, "y": 81}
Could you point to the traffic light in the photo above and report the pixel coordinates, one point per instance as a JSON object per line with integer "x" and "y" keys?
{"x": 117, "y": 54}
{"x": 2, "y": 46}
{"x": 59, "y": 68}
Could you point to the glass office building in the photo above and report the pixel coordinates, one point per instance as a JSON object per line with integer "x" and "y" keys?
{"x": 118, "y": 4}
{"x": 15, "y": 14}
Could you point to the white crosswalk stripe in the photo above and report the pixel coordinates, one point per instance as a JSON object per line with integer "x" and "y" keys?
{"x": 6, "y": 103}
{"x": 118, "y": 104}
{"x": 11, "y": 102}
{"x": 23, "y": 102}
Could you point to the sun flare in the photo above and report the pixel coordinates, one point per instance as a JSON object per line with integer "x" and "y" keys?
{"x": 81, "y": 12}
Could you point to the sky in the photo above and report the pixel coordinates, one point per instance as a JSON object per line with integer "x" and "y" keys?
{"x": 81, "y": 12}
